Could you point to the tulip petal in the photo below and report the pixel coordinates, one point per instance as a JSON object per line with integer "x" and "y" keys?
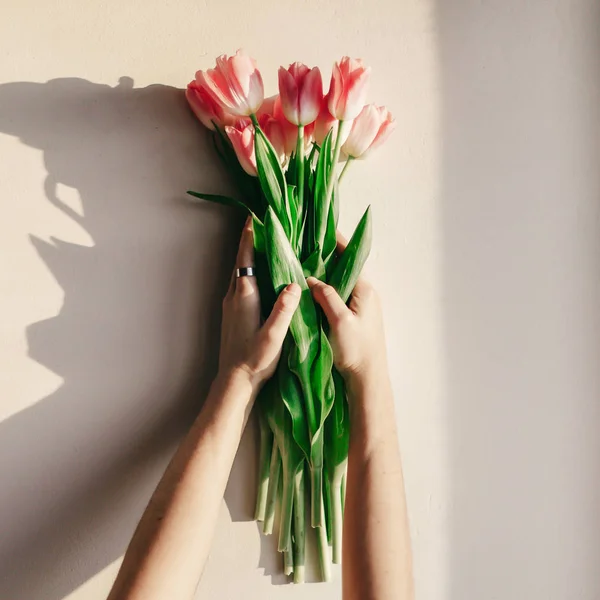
{"x": 336, "y": 89}
{"x": 242, "y": 141}
{"x": 364, "y": 131}
{"x": 356, "y": 92}
{"x": 288, "y": 94}
{"x": 235, "y": 83}
{"x": 311, "y": 96}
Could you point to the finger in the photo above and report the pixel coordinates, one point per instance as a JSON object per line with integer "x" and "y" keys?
{"x": 245, "y": 255}
{"x": 329, "y": 300}
{"x": 341, "y": 240}
{"x": 246, "y": 285}
{"x": 231, "y": 287}
{"x": 278, "y": 322}
{"x": 362, "y": 288}
{"x": 362, "y": 294}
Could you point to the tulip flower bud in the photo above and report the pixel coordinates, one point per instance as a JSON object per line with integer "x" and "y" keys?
{"x": 236, "y": 84}
{"x": 348, "y": 89}
{"x": 301, "y": 93}
{"x": 325, "y": 123}
{"x": 241, "y": 136}
{"x": 208, "y": 111}
{"x": 370, "y": 129}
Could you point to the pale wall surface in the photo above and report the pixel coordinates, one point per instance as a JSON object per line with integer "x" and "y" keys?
{"x": 487, "y": 235}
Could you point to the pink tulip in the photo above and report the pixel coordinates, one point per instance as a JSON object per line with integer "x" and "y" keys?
{"x": 348, "y": 89}
{"x": 236, "y": 84}
{"x": 276, "y": 127}
{"x": 290, "y": 132}
{"x": 241, "y": 136}
{"x": 370, "y": 129}
{"x": 301, "y": 93}
{"x": 325, "y": 123}
{"x": 268, "y": 106}
{"x": 273, "y": 129}
{"x": 209, "y": 111}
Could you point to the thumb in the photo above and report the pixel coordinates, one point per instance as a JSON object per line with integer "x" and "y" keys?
{"x": 278, "y": 322}
{"x": 329, "y": 300}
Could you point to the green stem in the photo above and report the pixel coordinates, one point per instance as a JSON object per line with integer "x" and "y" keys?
{"x": 274, "y": 472}
{"x": 331, "y": 174}
{"x": 254, "y": 120}
{"x": 316, "y": 493}
{"x": 337, "y": 512}
{"x": 327, "y": 500}
{"x": 299, "y": 526}
{"x": 288, "y": 562}
{"x": 350, "y": 159}
{"x": 287, "y": 504}
{"x": 311, "y": 156}
{"x": 323, "y": 549}
{"x": 300, "y": 167}
{"x": 266, "y": 441}
{"x": 316, "y": 481}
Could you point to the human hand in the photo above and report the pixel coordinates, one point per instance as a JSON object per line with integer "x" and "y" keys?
{"x": 247, "y": 348}
{"x": 356, "y": 331}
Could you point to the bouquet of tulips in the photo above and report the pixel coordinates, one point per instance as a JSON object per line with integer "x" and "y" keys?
{"x": 283, "y": 154}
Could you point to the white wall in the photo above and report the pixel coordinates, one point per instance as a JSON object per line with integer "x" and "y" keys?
{"x": 487, "y": 224}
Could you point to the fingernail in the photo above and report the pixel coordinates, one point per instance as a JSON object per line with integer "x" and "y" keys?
{"x": 312, "y": 281}
{"x": 293, "y": 289}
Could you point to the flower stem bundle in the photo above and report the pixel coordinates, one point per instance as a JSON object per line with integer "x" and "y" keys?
{"x": 283, "y": 154}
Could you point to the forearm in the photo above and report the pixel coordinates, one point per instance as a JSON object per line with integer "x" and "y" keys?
{"x": 376, "y": 552}
{"x": 169, "y": 548}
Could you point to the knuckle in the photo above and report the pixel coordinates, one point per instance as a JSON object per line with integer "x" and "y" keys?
{"x": 286, "y": 304}
{"x": 327, "y": 290}
{"x": 345, "y": 318}
{"x": 244, "y": 288}
{"x": 227, "y": 301}
{"x": 269, "y": 338}
{"x": 271, "y": 335}
{"x": 369, "y": 293}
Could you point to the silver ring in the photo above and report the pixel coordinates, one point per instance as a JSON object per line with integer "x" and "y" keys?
{"x": 244, "y": 272}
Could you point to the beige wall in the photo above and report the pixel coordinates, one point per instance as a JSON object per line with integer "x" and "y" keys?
{"x": 487, "y": 223}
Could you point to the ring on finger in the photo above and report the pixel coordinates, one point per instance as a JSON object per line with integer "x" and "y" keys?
{"x": 244, "y": 272}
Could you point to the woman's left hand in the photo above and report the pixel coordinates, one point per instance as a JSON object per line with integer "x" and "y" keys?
{"x": 248, "y": 348}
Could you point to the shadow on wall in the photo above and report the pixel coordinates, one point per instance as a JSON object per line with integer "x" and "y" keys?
{"x": 136, "y": 338}
{"x": 520, "y": 185}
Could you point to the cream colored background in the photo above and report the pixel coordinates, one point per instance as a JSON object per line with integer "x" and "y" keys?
{"x": 487, "y": 234}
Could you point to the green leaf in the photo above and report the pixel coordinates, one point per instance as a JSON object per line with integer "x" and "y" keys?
{"x": 330, "y": 241}
{"x": 292, "y": 457}
{"x": 337, "y": 425}
{"x": 337, "y": 440}
{"x": 271, "y": 179}
{"x": 246, "y": 184}
{"x": 321, "y": 180}
{"x": 292, "y": 396}
{"x": 350, "y": 263}
{"x": 310, "y": 355}
{"x": 295, "y": 217}
{"x": 335, "y": 202}
{"x": 218, "y": 199}
{"x": 285, "y": 268}
{"x": 313, "y": 266}
{"x": 263, "y": 278}
{"x": 292, "y": 169}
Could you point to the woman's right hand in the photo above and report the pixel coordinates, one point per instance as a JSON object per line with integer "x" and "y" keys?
{"x": 356, "y": 330}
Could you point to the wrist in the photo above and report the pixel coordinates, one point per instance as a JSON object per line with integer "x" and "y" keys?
{"x": 372, "y": 411}
{"x": 370, "y": 375}
{"x": 239, "y": 379}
